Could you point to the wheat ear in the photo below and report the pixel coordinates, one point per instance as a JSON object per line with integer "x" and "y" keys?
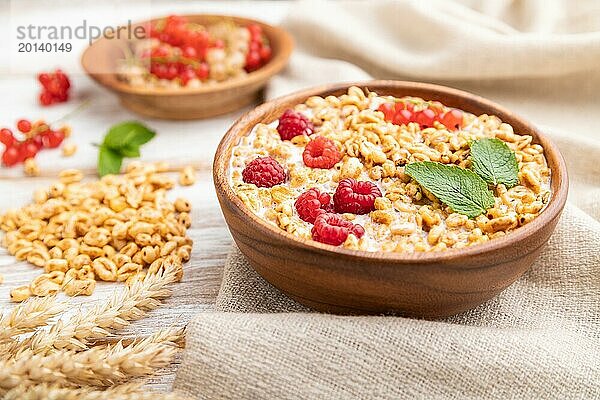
{"x": 123, "y": 392}
{"x": 124, "y": 306}
{"x": 28, "y": 316}
{"x": 101, "y": 366}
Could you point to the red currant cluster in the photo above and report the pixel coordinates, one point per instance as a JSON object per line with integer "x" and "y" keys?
{"x": 174, "y": 31}
{"x": 259, "y": 51}
{"x": 185, "y": 71}
{"x": 177, "y": 32}
{"x": 55, "y": 87}
{"x": 403, "y": 112}
{"x": 35, "y": 137}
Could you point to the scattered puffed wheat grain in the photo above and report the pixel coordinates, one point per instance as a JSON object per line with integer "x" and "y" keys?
{"x": 187, "y": 176}
{"x": 31, "y": 168}
{"x": 69, "y": 149}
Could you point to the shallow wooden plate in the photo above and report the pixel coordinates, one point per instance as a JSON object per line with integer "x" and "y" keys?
{"x": 100, "y": 60}
{"x": 333, "y": 279}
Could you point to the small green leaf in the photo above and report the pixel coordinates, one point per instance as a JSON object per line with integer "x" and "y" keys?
{"x": 463, "y": 190}
{"x": 109, "y": 161}
{"x": 129, "y": 151}
{"x": 122, "y": 140}
{"x": 131, "y": 134}
{"x": 495, "y": 162}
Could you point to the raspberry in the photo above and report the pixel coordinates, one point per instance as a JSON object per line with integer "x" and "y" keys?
{"x": 333, "y": 229}
{"x": 264, "y": 172}
{"x": 321, "y": 152}
{"x": 312, "y": 203}
{"x": 292, "y": 123}
{"x": 356, "y": 197}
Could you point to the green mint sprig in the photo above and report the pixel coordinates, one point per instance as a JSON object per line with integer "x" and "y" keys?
{"x": 495, "y": 162}
{"x": 466, "y": 191}
{"x": 461, "y": 189}
{"x": 123, "y": 140}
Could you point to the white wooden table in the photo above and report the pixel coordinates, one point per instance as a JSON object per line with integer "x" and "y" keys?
{"x": 180, "y": 143}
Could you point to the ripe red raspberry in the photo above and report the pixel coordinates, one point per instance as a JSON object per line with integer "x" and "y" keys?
{"x": 333, "y": 229}
{"x": 264, "y": 172}
{"x": 292, "y": 123}
{"x": 356, "y": 197}
{"x": 313, "y": 203}
{"x": 321, "y": 152}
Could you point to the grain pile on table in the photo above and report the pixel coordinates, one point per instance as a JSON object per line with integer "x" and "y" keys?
{"x": 118, "y": 228}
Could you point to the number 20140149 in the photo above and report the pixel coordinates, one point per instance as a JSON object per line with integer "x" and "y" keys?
{"x": 27, "y": 47}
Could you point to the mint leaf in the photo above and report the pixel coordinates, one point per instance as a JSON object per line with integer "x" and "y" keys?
{"x": 461, "y": 189}
{"x": 109, "y": 161}
{"x": 495, "y": 162}
{"x": 122, "y": 140}
{"x": 129, "y": 151}
{"x": 129, "y": 134}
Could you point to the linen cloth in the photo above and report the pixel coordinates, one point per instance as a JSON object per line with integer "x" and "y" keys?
{"x": 540, "y": 338}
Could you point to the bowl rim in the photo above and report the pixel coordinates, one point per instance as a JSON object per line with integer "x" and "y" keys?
{"x": 276, "y": 64}
{"x": 550, "y": 212}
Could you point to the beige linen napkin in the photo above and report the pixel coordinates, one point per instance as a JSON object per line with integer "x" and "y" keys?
{"x": 540, "y": 338}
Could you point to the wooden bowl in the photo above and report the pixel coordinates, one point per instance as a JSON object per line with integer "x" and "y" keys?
{"x": 100, "y": 60}
{"x": 338, "y": 280}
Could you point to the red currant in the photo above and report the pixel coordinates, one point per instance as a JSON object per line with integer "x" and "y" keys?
{"x": 37, "y": 140}
{"x": 255, "y": 32}
{"x": 6, "y": 137}
{"x": 437, "y": 107}
{"x": 254, "y": 46}
{"x": 23, "y": 125}
{"x": 265, "y": 53}
{"x": 202, "y": 71}
{"x": 189, "y": 52}
{"x": 388, "y": 111}
{"x": 45, "y": 98}
{"x": 10, "y": 156}
{"x": 403, "y": 117}
{"x": 452, "y": 119}
{"x": 44, "y": 78}
{"x": 55, "y": 87}
{"x": 186, "y": 75}
{"x": 425, "y": 118}
{"x": 53, "y": 139}
{"x": 27, "y": 150}
{"x": 172, "y": 71}
{"x": 252, "y": 61}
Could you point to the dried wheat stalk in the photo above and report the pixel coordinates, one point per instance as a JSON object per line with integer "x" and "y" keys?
{"x": 28, "y": 316}
{"x": 124, "y": 392}
{"x": 128, "y": 305}
{"x": 101, "y": 366}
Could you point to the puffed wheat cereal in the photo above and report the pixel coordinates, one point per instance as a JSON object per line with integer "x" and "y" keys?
{"x": 376, "y": 148}
{"x": 112, "y": 229}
